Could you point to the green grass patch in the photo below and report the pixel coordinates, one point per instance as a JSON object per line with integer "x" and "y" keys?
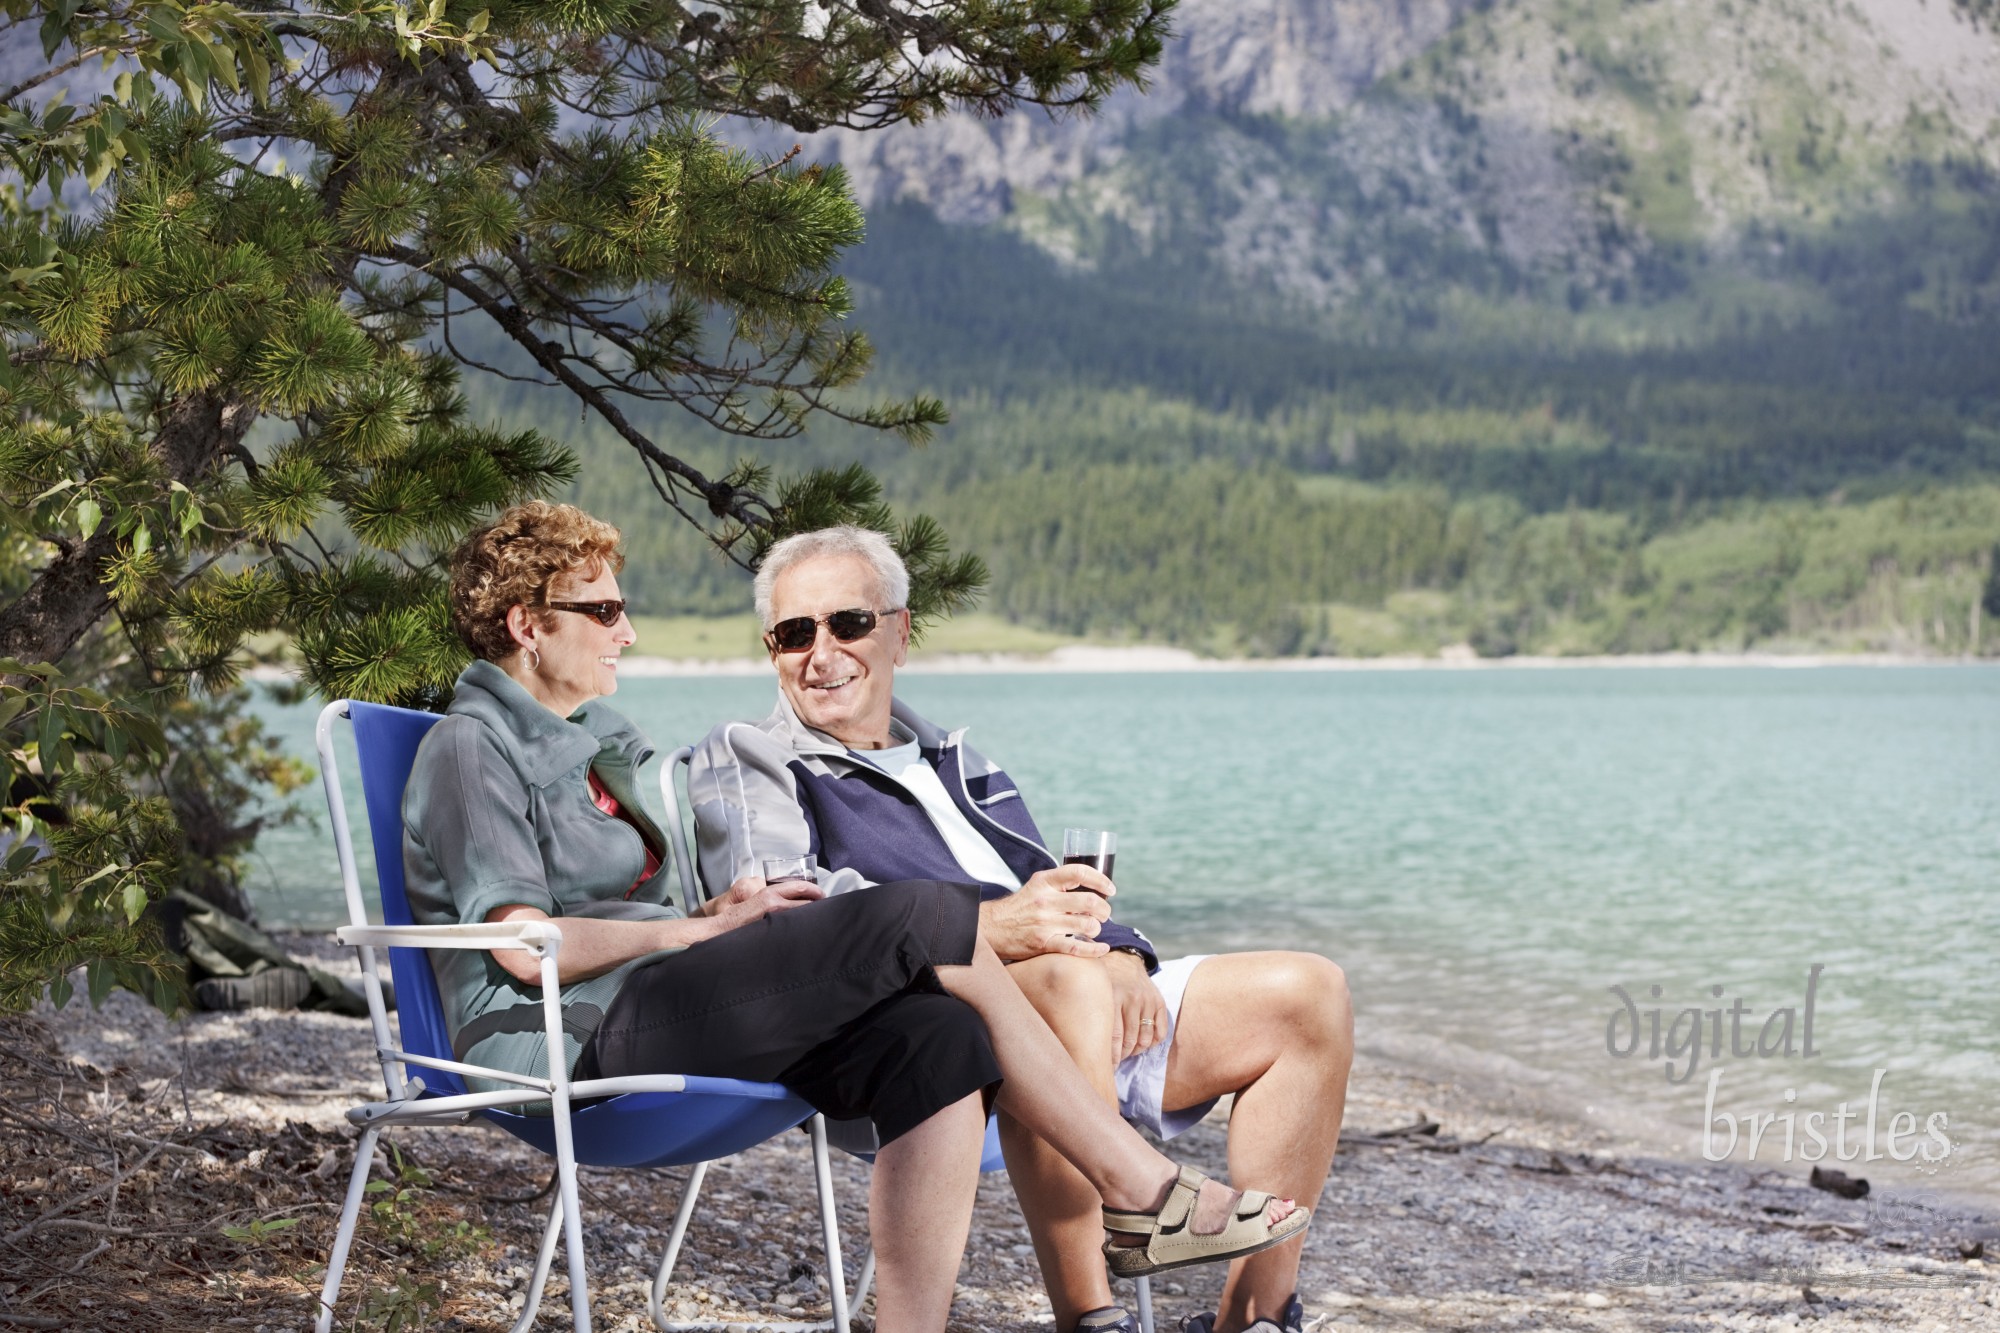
{"x": 982, "y": 632}
{"x": 1359, "y": 631}
{"x": 697, "y": 636}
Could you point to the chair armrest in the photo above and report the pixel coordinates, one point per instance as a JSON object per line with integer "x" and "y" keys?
{"x": 541, "y": 938}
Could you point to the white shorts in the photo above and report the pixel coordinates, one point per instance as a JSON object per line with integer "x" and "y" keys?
{"x": 1142, "y": 1078}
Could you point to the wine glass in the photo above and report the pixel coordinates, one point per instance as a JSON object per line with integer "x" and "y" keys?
{"x": 780, "y": 868}
{"x": 1095, "y": 848}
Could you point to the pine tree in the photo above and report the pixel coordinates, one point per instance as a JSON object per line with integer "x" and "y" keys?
{"x": 246, "y": 254}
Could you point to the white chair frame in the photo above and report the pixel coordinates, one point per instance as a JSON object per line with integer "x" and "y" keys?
{"x": 405, "y": 1104}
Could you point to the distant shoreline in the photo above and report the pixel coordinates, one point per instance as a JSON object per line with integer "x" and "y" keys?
{"x": 1084, "y": 659}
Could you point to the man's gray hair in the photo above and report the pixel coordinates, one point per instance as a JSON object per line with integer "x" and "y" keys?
{"x": 892, "y": 578}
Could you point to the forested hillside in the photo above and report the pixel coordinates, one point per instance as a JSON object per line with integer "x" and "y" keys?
{"x": 1554, "y": 325}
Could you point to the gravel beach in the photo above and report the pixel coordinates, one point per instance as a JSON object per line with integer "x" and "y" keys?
{"x": 1450, "y": 1207}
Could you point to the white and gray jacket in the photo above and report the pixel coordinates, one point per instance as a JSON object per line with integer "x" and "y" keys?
{"x": 779, "y": 788}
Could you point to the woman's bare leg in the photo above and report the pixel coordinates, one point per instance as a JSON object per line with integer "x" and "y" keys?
{"x": 919, "y": 1214}
{"x": 1047, "y": 1092}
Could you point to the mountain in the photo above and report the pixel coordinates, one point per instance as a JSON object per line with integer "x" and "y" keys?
{"x": 1455, "y": 164}
{"x": 1555, "y": 325}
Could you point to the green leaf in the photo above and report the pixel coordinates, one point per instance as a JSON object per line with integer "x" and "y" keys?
{"x": 192, "y": 88}
{"x": 146, "y": 731}
{"x": 49, "y": 741}
{"x": 28, "y": 277}
{"x": 60, "y": 990}
{"x": 23, "y": 855}
{"x": 54, "y": 31}
{"x": 11, "y": 704}
{"x": 99, "y": 978}
{"x": 142, "y": 540}
{"x": 135, "y": 900}
{"x": 88, "y": 515}
{"x": 260, "y": 74}
{"x": 223, "y": 62}
{"x": 109, "y": 868}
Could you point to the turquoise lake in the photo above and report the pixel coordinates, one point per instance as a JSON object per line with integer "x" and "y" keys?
{"x": 1489, "y": 853}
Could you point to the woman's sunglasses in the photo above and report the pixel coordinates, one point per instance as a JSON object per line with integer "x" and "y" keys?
{"x": 604, "y": 613}
{"x": 797, "y": 634}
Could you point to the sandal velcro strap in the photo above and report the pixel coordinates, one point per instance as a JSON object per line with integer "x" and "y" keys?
{"x": 1172, "y": 1242}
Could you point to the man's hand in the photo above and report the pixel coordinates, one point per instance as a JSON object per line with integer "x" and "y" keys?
{"x": 1056, "y": 911}
{"x": 751, "y": 899}
{"x": 1140, "y": 1011}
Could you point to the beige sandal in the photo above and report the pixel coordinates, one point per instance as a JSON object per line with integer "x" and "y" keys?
{"x": 1172, "y": 1242}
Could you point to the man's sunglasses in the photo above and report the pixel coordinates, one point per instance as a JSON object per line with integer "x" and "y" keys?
{"x": 604, "y": 613}
{"x": 798, "y": 634}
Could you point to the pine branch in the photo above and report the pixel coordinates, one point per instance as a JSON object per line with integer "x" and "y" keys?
{"x": 723, "y": 500}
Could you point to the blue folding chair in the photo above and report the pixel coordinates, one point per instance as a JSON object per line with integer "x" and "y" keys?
{"x": 688, "y": 870}
{"x": 656, "y": 1120}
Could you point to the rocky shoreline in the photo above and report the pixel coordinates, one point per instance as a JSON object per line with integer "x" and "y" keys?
{"x": 1450, "y": 1207}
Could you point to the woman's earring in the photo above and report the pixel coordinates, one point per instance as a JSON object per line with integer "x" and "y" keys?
{"x": 535, "y": 659}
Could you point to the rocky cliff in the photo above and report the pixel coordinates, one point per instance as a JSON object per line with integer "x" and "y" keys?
{"x": 1464, "y": 156}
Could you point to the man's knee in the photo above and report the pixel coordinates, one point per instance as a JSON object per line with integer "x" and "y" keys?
{"x": 1303, "y": 994}
{"x": 1314, "y": 994}
{"x": 1065, "y": 990}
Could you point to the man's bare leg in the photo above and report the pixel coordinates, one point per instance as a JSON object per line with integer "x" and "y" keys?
{"x": 919, "y": 1214}
{"x": 1073, "y": 995}
{"x": 1278, "y": 1030}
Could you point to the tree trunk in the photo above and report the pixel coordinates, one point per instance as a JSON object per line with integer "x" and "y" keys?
{"x": 69, "y": 595}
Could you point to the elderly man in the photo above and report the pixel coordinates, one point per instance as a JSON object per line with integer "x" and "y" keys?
{"x": 846, "y": 772}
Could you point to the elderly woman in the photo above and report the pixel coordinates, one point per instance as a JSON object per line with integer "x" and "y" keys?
{"x": 524, "y": 804}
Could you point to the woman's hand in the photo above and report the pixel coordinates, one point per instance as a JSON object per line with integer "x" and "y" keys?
{"x": 752, "y": 899}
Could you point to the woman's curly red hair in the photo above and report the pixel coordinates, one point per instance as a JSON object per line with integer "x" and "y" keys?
{"x": 514, "y": 561}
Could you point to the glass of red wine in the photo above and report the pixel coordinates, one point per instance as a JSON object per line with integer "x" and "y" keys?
{"x": 1090, "y": 847}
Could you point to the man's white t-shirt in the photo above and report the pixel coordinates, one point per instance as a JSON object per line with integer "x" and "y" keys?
{"x": 1141, "y": 1078}
{"x": 975, "y": 855}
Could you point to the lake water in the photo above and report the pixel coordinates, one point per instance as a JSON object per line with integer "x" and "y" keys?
{"x": 1488, "y": 853}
